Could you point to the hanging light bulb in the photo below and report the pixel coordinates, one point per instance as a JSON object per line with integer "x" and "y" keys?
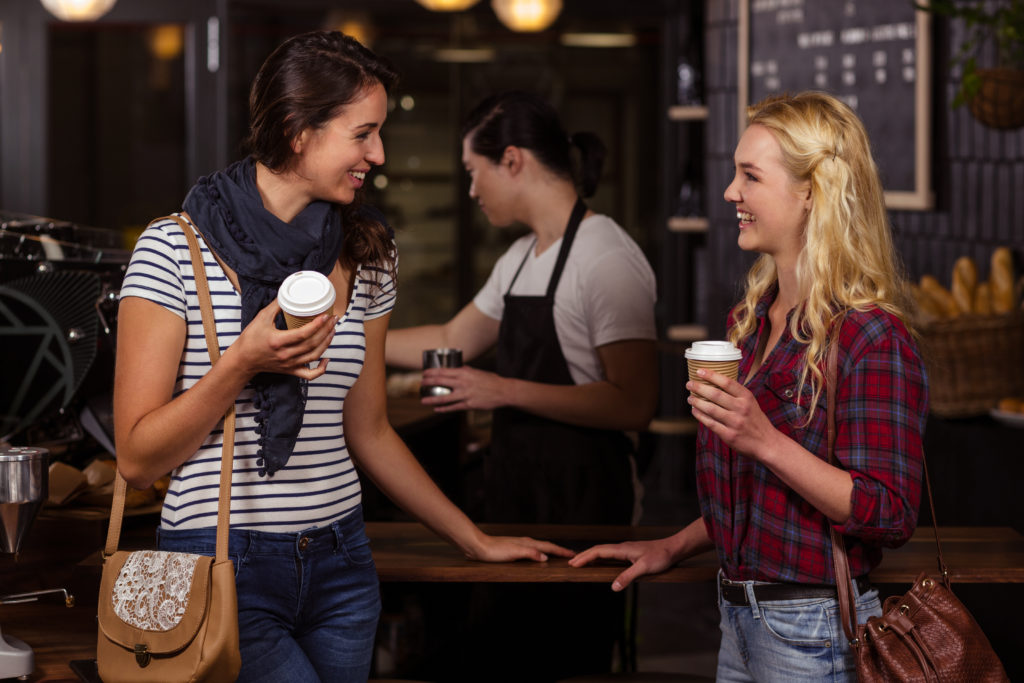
{"x": 352, "y": 23}
{"x": 447, "y": 5}
{"x": 527, "y": 15}
{"x": 78, "y": 10}
{"x": 167, "y": 41}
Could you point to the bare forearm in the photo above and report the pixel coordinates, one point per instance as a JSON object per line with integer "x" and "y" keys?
{"x": 470, "y": 330}
{"x": 596, "y": 404}
{"x": 404, "y": 348}
{"x": 167, "y": 436}
{"x": 691, "y": 540}
{"x": 400, "y": 476}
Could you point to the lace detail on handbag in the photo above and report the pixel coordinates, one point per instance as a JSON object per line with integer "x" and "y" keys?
{"x": 152, "y": 589}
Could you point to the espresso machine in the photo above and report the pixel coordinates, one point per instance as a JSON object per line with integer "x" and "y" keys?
{"x": 24, "y": 484}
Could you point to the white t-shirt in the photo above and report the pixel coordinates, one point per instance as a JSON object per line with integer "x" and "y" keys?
{"x": 319, "y": 484}
{"x": 607, "y": 291}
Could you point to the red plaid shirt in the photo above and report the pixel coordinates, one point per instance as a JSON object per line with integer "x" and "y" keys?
{"x": 765, "y": 531}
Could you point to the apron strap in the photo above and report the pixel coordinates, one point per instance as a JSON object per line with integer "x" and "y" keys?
{"x": 563, "y": 254}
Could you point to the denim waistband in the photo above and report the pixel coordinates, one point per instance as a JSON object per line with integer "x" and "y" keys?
{"x": 313, "y": 539}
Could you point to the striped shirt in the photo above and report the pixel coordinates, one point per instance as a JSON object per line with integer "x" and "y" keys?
{"x": 765, "y": 531}
{"x": 319, "y": 484}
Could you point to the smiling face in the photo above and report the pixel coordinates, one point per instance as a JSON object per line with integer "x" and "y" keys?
{"x": 488, "y": 185}
{"x": 770, "y": 204}
{"x": 332, "y": 161}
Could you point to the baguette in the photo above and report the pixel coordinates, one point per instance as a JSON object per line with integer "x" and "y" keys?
{"x": 1001, "y": 277}
{"x": 942, "y": 296}
{"x": 927, "y": 307}
{"x": 983, "y": 299}
{"x": 964, "y": 282}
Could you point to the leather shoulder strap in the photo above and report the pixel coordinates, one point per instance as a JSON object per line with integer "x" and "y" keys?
{"x": 227, "y": 456}
{"x": 847, "y": 602}
{"x": 841, "y": 563}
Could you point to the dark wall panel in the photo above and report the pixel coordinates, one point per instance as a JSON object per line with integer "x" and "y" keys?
{"x": 978, "y": 176}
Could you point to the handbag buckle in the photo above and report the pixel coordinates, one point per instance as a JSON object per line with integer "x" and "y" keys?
{"x": 142, "y": 655}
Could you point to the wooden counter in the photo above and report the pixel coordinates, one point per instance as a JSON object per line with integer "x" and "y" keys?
{"x": 410, "y": 552}
{"x": 62, "y": 550}
{"x": 56, "y": 634}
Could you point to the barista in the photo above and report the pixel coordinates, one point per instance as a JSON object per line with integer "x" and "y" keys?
{"x": 570, "y": 307}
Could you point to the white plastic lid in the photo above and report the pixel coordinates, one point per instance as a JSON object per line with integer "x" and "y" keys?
{"x": 305, "y": 293}
{"x": 713, "y": 350}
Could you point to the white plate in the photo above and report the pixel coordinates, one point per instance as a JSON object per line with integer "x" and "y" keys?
{"x": 1008, "y": 418}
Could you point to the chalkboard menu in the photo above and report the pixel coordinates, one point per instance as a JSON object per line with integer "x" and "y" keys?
{"x": 872, "y": 54}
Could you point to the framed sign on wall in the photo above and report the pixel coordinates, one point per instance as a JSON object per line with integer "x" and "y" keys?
{"x": 875, "y": 55}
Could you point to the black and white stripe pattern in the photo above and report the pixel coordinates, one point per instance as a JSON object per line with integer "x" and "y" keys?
{"x": 319, "y": 483}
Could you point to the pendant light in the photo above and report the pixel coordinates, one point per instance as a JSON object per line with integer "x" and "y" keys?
{"x": 78, "y": 10}
{"x": 447, "y": 5}
{"x": 527, "y": 15}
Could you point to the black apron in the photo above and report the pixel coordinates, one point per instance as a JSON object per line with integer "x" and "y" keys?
{"x": 543, "y": 471}
{"x": 540, "y": 470}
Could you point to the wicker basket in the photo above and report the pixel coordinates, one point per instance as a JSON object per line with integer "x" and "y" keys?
{"x": 999, "y": 102}
{"x": 973, "y": 361}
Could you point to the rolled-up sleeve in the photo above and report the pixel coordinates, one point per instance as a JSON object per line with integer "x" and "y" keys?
{"x": 881, "y": 412}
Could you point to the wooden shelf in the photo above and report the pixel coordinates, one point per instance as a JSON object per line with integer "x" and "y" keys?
{"x": 673, "y": 426}
{"x": 688, "y": 224}
{"x": 687, "y": 113}
{"x": 687, "y": 333}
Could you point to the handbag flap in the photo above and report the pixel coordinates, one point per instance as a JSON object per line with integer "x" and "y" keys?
{"x": 154, "y": 598}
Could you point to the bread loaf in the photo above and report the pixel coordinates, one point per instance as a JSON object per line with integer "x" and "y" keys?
{"x": 1001, "y": 277}
{"x": 982, "y": 299}
{"x": 964, "y": 282}
{"x": 1011, "y": 404}
{"x": 942, "y": 296}
{"x": 927, "y": 307}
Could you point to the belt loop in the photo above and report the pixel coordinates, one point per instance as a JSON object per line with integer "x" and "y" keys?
{"x": 718, "y": 585}
{"x": 338, "y": 536}
{"x": 246, "y": 537}
{"x": 748, "y": 587}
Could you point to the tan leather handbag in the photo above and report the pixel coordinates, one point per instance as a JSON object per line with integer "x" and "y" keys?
{"x": 168, "y": 617}
{"x": 926, "y": 635}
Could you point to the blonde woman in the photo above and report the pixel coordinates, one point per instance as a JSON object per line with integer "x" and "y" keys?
{"x": 809, "y": 200}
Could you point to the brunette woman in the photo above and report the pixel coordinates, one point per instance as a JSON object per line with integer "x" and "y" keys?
{"x": 310, "y": 402}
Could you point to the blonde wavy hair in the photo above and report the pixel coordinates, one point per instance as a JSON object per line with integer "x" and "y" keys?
{"x": 848, "y": 261}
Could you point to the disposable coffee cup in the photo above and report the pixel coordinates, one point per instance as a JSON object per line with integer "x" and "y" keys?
{"x": 720, "y": 356}
{"x": 303, "y": 296}
{"x": 439, "y": 358}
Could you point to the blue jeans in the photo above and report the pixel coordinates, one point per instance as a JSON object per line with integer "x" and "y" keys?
{"x": 308, "y": 602}
{"x": 788, "y": 640}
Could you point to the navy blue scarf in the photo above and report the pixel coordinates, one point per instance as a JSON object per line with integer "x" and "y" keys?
{"x": 263, "y": 250}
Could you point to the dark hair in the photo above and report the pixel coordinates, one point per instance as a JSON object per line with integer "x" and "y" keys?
{"x": 527, "y": 120}
{"x": 303, "y": 84}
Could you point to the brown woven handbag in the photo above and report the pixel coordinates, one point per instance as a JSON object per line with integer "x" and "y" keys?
{"x": 167, "y": 617}
{"x": 925, "y": 635}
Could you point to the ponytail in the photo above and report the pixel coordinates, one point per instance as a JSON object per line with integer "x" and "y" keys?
{"x": 523, "y": 119}
{"x": 592, "y": 155}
